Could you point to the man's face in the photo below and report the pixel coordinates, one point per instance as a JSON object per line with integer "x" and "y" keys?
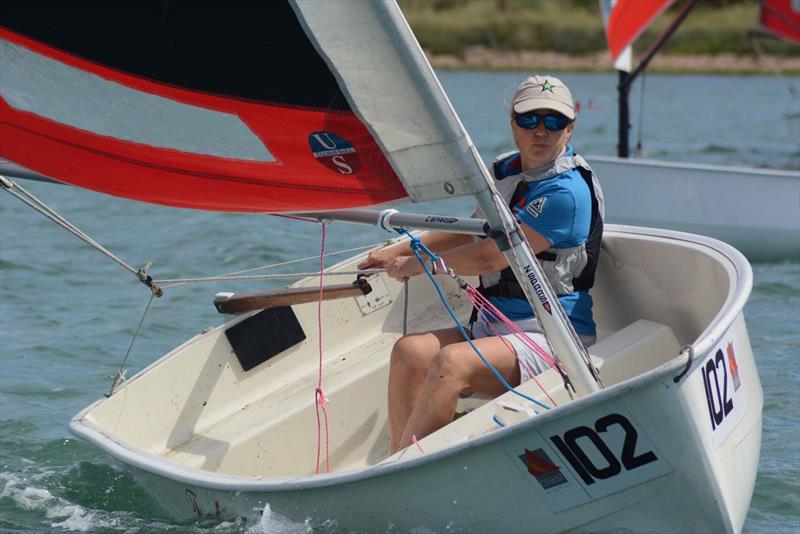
{"x": 539, "y": 146}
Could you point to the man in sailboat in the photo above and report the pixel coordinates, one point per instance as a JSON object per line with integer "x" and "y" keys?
{"x": 555, "y": 197}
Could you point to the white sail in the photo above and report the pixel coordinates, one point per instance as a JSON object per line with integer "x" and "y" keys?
{"x": 390, "y": 85}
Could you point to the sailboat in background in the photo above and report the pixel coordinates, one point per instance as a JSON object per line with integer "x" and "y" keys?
{"x": 780, "y": 19}
{"x": 312, "y": 106}
{"x": 755, "y": 210}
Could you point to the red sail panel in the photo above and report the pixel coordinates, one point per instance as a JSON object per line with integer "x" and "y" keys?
{"x": 629, "y": 19}
{"x": 781, "y": 18}
{"x": 155, "y": 142}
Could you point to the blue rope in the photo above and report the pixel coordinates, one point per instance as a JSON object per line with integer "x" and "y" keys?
{"x": 416, "y": 244}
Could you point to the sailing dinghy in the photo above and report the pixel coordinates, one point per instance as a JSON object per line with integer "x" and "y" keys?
{"x": 661, "y": 429}
{"x": 687, "y": 196}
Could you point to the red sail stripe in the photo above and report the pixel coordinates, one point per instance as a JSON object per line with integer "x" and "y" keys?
{"x": 297, "y": 181}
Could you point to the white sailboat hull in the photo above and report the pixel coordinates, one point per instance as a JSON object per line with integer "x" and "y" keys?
{"x": 663, "y": 447}
{"x": 755, "y": 210}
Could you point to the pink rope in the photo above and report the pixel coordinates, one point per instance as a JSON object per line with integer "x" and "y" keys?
{"x": 320, "y": 400}
{"x": 492, "y": 316}
{"x": 319, "y": 395}
{"x": 414, "y": 439}
{"x": 482, "y": 303}
{"x": 522, "y": 363}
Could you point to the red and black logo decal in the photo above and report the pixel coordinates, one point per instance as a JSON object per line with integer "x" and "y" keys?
{"x": 542, "y": 468}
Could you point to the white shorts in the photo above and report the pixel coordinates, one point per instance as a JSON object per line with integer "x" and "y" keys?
{"x": 530, "y": 363}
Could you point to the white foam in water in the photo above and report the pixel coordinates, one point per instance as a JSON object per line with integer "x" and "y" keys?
{"x": 76, "y": 517}
{"x": 272, "y": 523}
{"x": 30, "y": 498}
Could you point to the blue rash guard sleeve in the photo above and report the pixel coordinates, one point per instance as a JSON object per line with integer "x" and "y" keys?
{"x": 550, "y": 211}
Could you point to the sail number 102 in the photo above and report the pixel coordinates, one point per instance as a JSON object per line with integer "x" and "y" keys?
{"x": 718, "y": 394}
{"x": 614, "y": 462}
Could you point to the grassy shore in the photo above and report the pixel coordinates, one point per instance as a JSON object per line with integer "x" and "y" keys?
{"x": 569, "y": 35}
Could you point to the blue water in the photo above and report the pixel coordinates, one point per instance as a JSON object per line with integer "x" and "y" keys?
{"x": 67, "y": 314}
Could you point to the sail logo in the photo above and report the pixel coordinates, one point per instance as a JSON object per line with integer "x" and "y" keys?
{"x": 334, "y": 152}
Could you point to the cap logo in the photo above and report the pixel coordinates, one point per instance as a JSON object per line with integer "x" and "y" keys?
{"x": 546, "y": 86}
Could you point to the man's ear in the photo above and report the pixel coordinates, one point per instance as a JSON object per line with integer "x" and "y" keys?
{"x": 570, "y": 131}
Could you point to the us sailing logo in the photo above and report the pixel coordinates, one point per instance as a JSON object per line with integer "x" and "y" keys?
{"x": 335, "y": 153}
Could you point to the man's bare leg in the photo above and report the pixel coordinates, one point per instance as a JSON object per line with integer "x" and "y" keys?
{"x": 410, "y": 360}
{"x": 455, "y": 368}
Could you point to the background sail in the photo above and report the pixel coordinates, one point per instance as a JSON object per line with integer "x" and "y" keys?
{"x": 781, "y": 18}
{"x": 228, "y": 108}
{"x": 624, "y": 60}
{"x": 628, "y": 19}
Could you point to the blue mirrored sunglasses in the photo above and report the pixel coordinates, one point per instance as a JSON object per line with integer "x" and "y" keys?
{"x": 555, "y": 122}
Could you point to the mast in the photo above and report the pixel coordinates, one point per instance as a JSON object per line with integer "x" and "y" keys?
{"x": 623, "y": 89}
{"x": 626, "y": 79}
{"x": 552, "y": 319}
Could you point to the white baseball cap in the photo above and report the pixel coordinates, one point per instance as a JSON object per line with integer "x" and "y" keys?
{"x": 543, "y": 92}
